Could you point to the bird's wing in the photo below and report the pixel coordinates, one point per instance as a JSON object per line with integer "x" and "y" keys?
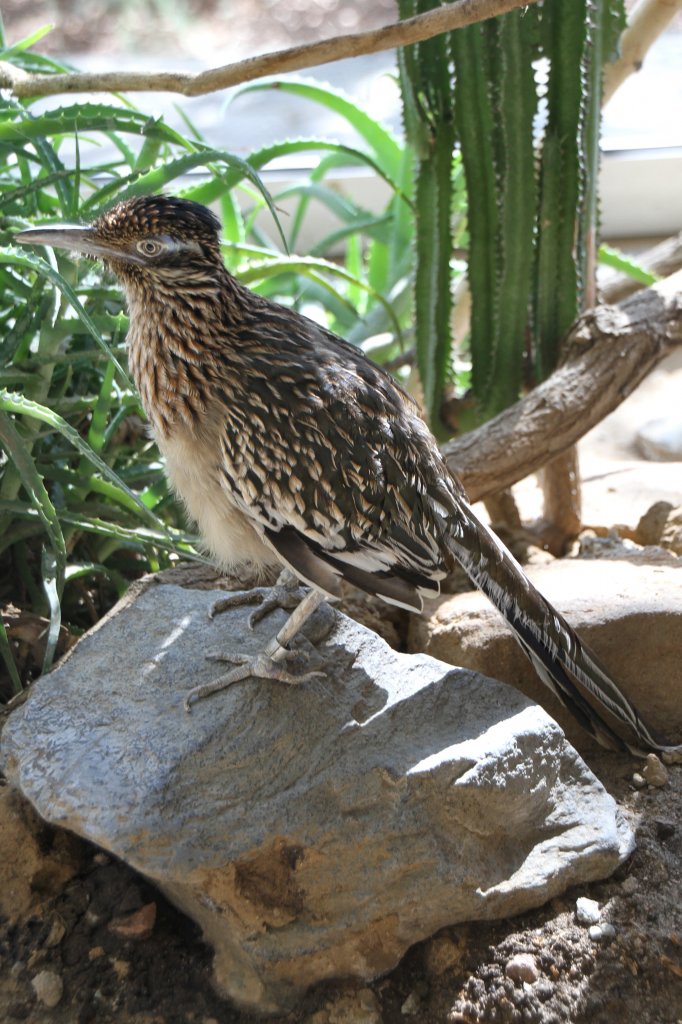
{"x": 332, "y": 469}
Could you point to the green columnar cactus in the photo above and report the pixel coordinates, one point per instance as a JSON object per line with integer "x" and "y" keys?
{"x": 527, "y": 95}
{"x": 577, "y": 39}
{"x": 425, "y": 73}
{"x": 495, "y": 105}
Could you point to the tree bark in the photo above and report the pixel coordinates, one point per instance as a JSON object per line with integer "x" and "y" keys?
{"x": 503, "y": 511}
{"x": 608, "y": 352}
{"x": 645, "y": 23}
{"x": 562, "y": 501}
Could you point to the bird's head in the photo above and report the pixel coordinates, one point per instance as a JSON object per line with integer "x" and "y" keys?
{"x": 148, "y": 235}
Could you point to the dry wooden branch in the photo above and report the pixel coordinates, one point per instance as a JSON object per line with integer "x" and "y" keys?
{"x": 608, "y": 352}
{"x": 402, "y": 33}
{"x": 646, "y": 22}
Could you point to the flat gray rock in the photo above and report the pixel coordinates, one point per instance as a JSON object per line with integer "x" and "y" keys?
{"x": 313, "y": 831}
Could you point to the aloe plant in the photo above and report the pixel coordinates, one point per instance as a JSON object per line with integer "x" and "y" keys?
{"x": 379, "y": 247}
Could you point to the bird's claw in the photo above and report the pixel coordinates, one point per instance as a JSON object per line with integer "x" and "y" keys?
{"x": 256, "y": 660}
{"x": 268, "y": 599}
{"x": 224, "y": 604}
{"x": 258, "y": 666}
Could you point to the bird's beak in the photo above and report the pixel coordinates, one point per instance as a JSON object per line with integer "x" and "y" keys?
{"x": 74, "y": 237}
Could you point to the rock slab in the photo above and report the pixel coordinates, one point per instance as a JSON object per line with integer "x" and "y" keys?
{"x": 314, "y": 831}
{"x": 627, "y": 608}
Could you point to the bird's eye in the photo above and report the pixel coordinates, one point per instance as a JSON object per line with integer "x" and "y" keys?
{"x": 148, "y": 247}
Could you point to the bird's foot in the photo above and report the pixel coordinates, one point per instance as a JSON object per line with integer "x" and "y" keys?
{"x": 264, "y": 665}
{"x": 286, "y": 593}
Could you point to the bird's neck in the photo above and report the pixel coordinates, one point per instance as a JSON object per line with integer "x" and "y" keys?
{"x": 176, "y": 331}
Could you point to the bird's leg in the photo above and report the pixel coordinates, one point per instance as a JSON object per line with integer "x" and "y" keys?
{"x": 287, "y": 593}
{"x": 267, "y": 664}
{"x": 278, "y": 647}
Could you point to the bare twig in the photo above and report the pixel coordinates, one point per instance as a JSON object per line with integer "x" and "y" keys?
{"x": 646, "y": 22}
{"x": 402, "y": 33}
{"x": 609, "y": 351}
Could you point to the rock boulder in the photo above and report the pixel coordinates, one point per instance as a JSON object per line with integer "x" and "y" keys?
{"x": 628, "y": 608}
{"x": 314, "y": 831}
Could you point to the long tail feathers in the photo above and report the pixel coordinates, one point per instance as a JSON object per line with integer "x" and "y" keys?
{"x": 566, "y": 665}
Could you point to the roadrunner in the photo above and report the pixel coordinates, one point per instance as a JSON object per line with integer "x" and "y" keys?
{"x": 291, "y": 449}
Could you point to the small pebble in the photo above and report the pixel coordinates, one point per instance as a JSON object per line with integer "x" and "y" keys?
{"x": 638, "y": 781}
{"x": 652, "y": 523}
{"x": 122, "y": 968}
{"x": 664, "y": 829}
{"x": 411, "y": 1005}
{"x": 48, "y": 988}
{"x": 35, "y": 958}
{"x": 443, "y": 954}
{"x": 630, "y": 885}
{"x": 544, "y": 990}
{"x": 586, "y": 911}
{"x": 522, "y": 967}
{"x": 654, "y": 771}
{"x": 57, "y": 933}
{"x": 602, "y": 932}
{"x": 138, "y": 925}
{"x": 92, "y": 918}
